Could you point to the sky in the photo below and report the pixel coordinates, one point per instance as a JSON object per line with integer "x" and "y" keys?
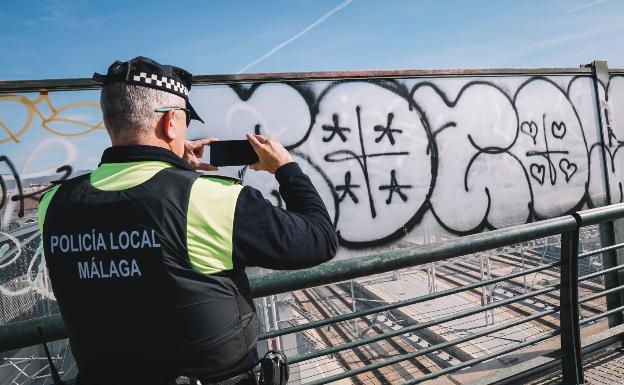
{"x": 73, "y": 39}
{"x": 61, "y": 39}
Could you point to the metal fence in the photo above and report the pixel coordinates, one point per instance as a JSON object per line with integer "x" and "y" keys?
{"x": 569, "y": 354}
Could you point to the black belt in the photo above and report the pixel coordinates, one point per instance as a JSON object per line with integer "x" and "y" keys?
{"x": 274, "y": 371}
{"x": 246, "y": 378}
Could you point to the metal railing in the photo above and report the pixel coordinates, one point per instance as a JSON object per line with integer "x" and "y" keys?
{"x": 22, "y": 334}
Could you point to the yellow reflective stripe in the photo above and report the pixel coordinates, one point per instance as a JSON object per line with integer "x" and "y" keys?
{"x": 43, "y": 206}
{"x": 210, "y": 224}
{"x": 121, "y": 176}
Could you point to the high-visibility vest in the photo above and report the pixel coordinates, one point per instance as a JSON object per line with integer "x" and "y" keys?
{"x": 135, "y": 309}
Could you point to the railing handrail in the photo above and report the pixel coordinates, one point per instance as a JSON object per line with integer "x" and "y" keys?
{"x": 345, "y": 269}
{"x": 76, "y": 84}
{"x": 24, "y": 333}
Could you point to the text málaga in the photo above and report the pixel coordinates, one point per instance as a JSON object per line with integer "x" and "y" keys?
{"x": 122, "y": 268}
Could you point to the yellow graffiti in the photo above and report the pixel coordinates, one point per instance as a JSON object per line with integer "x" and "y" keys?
{"x": 31, "y": 106}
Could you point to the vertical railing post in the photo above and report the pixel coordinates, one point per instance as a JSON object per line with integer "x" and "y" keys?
{"x": 608, "y": 234}
{"x": 572, "y": 365}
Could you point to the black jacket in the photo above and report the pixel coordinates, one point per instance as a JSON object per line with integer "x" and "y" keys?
{"x": 135, "y": 307}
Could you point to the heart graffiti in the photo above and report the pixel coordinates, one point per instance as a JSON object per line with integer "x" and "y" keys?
{"x": 530, "y": 128}
{"x": 538, "y": 172}
{"x": 558, "y": 129}
{"x": 568, "y": 168}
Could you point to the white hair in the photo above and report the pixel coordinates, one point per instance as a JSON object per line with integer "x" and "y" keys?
{"x": 128, "y": 109}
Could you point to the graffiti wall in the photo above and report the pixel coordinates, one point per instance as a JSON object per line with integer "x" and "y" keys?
{"x": 395, "y": 160}
{"x": 402, "y": 159}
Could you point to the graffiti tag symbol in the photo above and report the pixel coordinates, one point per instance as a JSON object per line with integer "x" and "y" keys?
{"x": 56, "y": 116}
{"x": 568, "y": 168}
{"x": 362, "y": 159}
{"x": 558, "y": 129}
{"x": 387, "y": 130}
{"x": 547, "y": 154}
{"x": 278, "y": 198}
{"x": 395, "y": 187}
{"x": 538, "y": 172}
{"x": 347, "y": 189}
{"x": 530, "y": 128}
{"x": 18, "y": 184}
{"x": 335, "y": 130}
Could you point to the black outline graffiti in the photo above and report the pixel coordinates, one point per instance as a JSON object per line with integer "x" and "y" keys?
{"x": 402, "y": 91}
{"x": 362, "y": 159}
{"x": 328, "y": 181}
{"x": 335, "y": 130}
{"x": 394, "y": 187}
{"x": 566, "y": 169}
{"x": 278, "y": 198}
{"x": 347, "y": 189}
{"x": 484, "y": 223}
{"x": 555, "y": 127}
{"x": 558, "y": 130}
{"x": 584, "y": 199}
{"x": 546, "y": 153}
{"x": 66, "y": 170}
{"x": 532, "y": 132}
{"x": 18, "y": 183}
{"x": 605, "y": 149}
{"x": 20, "y": 196}
{"x": 387, "y": 130}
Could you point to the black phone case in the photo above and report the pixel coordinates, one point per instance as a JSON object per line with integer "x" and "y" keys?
{"x": 232, "y": 153}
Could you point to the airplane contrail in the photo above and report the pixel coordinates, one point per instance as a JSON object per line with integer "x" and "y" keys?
{"x": 295, "y": 37}
{"x": 586, "y": 6}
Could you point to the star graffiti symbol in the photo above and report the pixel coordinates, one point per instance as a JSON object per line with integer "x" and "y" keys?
{"x": 387, "y": 130}
{"x": 346, "y": 155}
{"x": 395, "y": 187}
{"x": 347, "y": 189}
{"x": 335, "y": 130}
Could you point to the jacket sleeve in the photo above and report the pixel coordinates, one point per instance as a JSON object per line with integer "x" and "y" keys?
{"x": 268, "y": 236}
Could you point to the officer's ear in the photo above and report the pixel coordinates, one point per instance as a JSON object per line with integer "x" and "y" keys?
{"x": 168, "y": 127}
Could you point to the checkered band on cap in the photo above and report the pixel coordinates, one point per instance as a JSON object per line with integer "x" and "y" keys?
{"x": 161, "y": 81}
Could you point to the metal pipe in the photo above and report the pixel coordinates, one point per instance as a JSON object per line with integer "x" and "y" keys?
{"x": 77, "y": 84}
{"x": 395, "y": 305}
{"x": 600, "y": 294}
{"x": 430, "y": 349}
{"x": 434, "y": 283}
{"x": 343, "y": 270}
{"x": 601, "y": 315}
{"x": 22, "y": 334}
{"x": 601, "y": 272}
{"x": 490, "y": 287}
{"x": 524, "y": 278}
{"x": 571, "y": 365}
{"x": 355, "y": 325}
{"x": 480, "y": 359}
{"x": 364, "y": 341}
{"x": 601, "y": 250}
{"x": 600, "y": 214}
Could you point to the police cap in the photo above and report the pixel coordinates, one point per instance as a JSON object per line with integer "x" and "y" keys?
{"x": 146, "y": 72}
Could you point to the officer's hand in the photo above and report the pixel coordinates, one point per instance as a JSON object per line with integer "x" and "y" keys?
{"x": 272, "y": 154}
{"x": 194, "y": 151}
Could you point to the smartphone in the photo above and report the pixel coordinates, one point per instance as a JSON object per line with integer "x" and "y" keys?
{"x": 232, "y": 153}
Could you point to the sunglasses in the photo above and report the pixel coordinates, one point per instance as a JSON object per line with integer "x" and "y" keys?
{"x": 167, "y": 109}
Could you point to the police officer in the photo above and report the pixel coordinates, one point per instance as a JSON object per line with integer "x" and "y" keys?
{"x": 147, "y": 256}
